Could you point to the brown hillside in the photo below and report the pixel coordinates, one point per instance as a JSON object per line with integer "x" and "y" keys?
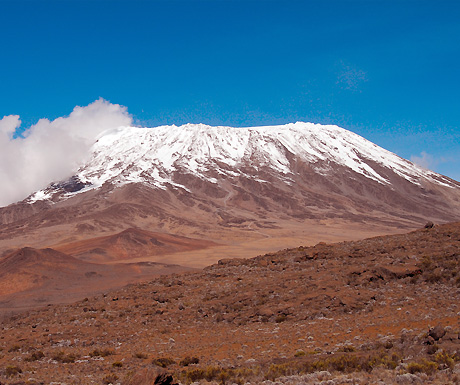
{"x": 381, "y": 310}
{"x": 129, "y": 244}
{"x": 32, "y": 277}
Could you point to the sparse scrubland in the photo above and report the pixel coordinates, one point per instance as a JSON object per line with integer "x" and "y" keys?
{"x": 384, "y": 310}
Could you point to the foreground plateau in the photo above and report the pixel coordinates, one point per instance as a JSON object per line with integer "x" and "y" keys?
{"x": 383, "y": 310}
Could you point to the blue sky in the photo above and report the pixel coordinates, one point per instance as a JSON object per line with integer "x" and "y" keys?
{"x": 387, "y": 70}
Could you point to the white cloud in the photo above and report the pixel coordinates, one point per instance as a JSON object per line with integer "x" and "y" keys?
{"x": 9, "y": 124}
{"x": 424, "y": 160}
{"x": 51, "y": 150}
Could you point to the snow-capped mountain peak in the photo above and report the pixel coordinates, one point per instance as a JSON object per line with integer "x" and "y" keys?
{"x": 155, "y": 155}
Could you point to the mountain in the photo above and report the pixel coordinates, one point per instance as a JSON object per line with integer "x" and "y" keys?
{"x": 248, "y": 189}
{"x": 215, "y": 181}
{"x": 150, "y": 198}
{"x": 292, "y": 165}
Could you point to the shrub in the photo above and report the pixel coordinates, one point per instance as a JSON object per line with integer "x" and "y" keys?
{"x": 110, "y": 379}
{"x": 163, "y": 362}
{"x": 426, "y": 263}
{"x": 433, "y": 276}
{"x": 189, "y": 361}
{"x": 388, "y": 345}
{"x": 389, "y": 362}
{"x": 345, "y": 363}
{"x": 64, "y": 358}
{"x": 275, "y": 371}
{"x": 117, "y": 364}
{"x": 220, "y": 375}
{"x": 414, "y": 279}
{"x": 428, "y": 367}
{"x": 347, "y": 349}
{"x": 216, "y": 373}
{"x": 352, "y": 363}
{"x": 444, "y": 360}
{"x": 141, "y": 356}
{"x": 280, "y": 318}
{"x": 35, "y": 356}
{"x": 101, "y": 353}
{"x": 12, "y": 370}
{"x": 14, "y": 348}
{"x": 194, "y": 375}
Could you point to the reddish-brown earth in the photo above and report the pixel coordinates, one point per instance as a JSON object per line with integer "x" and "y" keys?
{"x": 136, "y": 224}
{"x": 130, "y": 244}
{"x": 196, "y": 221}
{"x": 36, "y": 277}
{"x": 383, "y": 310}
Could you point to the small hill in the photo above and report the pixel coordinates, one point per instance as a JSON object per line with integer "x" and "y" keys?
{"x": 29, "y": 268}
{"x": 28, "y": 257}
{"x": 130, "y": 244}
{"x": 35, "y": 277}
